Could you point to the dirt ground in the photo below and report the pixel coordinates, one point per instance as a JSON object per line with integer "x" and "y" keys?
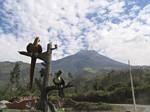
{"x": 130, "y": 108}
{"x": 117, "y": 107}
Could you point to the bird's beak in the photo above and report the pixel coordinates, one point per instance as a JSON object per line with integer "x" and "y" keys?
{"x": 38, "y": 39}
{"x": 56, "y": 46}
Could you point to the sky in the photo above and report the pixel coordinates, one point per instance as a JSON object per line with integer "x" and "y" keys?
{"x": 119, "y": 29}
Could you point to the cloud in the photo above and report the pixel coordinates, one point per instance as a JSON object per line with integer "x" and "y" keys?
{"x": 115, "y": 28}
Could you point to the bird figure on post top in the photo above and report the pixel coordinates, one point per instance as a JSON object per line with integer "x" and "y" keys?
{"x": 33, "y": 48}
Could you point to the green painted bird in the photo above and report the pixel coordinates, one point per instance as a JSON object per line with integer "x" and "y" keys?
{"x": 33, "y": 48}
{"x": 59, "y": 82}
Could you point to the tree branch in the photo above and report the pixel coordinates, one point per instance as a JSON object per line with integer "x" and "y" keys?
{"x": 50, "y": 88}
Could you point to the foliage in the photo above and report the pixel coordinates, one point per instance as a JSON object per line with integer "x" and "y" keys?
{"x": 90, "y": 70}
{"x": 111, "y": 87}
{"x": 115, "y": 87}
{"x": 15, "y": 76}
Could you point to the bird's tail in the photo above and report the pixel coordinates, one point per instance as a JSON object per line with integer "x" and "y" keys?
{"x": 61, "y": 93}
{"x": 32, "y": 67}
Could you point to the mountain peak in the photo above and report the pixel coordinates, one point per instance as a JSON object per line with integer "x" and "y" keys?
{"x": 87, "y": 52}
{"x": 86, "y": 59}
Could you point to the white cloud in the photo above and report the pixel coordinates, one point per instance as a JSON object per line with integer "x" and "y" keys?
{"x": 117, "y": 6}
{"x": 63, "y": 22}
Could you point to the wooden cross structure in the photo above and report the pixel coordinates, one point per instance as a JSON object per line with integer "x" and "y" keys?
{"x": 44, "y": 87}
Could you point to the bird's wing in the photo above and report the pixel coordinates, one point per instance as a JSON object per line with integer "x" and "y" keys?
{"x": 32, "y": 67}
{"x": 29, "y": 47}
{"x": 39, "y": 48}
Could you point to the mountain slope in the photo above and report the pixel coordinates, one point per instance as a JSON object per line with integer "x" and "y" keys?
{"x": 86, "y": 59}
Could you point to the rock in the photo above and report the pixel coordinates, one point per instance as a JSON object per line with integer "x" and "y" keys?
{"x": 3, "y": 104}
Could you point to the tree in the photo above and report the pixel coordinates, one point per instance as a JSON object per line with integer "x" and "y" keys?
{"x": 15, "y": 76}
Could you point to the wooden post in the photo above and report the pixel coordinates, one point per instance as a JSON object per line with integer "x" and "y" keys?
{"x": 49, "y": 57}
{"x": 46, "y": 57}
{"x": 44, "y": 87}
{"x": 47, "y": 72}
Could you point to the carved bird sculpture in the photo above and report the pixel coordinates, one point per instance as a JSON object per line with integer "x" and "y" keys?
{"x": 59, "y": 82}
{"x": 33, "y": 48}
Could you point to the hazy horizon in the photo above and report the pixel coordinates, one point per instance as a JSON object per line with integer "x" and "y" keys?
{"x": 39, "y": 61}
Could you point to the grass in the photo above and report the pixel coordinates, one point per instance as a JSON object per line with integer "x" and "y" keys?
{"x": 14, "y": 110}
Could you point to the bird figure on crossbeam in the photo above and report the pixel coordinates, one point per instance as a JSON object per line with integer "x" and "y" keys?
{"x": 33, "y": 48}
{"x": 60, "y": 83}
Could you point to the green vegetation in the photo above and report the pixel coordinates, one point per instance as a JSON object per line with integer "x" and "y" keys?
{"x": 15, "y": 77}
{"x": 90, "y": 70}
{"x": 114, "y": 87}
{"x": 91, "y": 92}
